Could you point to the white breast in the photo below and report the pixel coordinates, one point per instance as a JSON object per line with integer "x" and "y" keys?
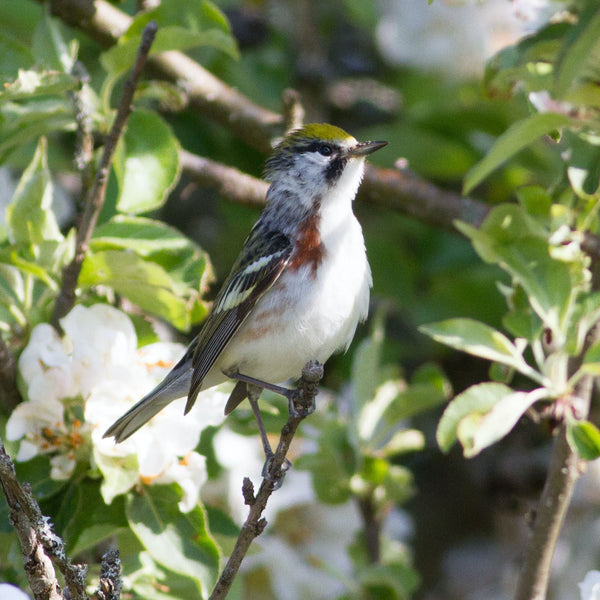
{"x": 306, "y": 315}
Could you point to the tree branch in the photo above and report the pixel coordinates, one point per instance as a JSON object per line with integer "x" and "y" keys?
{"x": 38, "y": 542}
{"x": 110, "y": 577}
{"x": 95, "y": 199}
{"x": 563, "y": 472}
{"x": 232, "y": 184}
{"x": 206, "y": 93}
{"x": 255, "y": 523}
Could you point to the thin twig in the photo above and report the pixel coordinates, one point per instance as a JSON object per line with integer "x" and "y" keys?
{"x": 84, "y": 150}
{"x": 38, "y": 542}
{"x": 293, "y": 111}
{"x": 255, "y": 523}
{"x": 372, "y": 528}
{"x": 110, "y": 577}
{"x": 95, "y": 199}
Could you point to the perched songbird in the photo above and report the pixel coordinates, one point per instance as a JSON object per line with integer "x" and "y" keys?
{"x": 298, "y": 289}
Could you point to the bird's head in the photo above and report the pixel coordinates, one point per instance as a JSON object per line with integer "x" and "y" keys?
{"x": 317, "y": 159}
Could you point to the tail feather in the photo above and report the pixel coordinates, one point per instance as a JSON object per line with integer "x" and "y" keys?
{"x": 173, "y": 387}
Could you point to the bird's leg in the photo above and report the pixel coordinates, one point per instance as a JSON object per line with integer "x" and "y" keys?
{"x": 254, "y": 392}
{"x": 295, "y": 408}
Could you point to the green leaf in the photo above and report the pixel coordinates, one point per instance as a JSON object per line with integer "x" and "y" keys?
{"x": 366, "y": 363}
{"x": 415, "y": 399}
{"x": 144, "y": 283}
{"x": 584, "y": 438}
{"x": 402, "y": 442}
{"x": 30, "y": 84}
{"x": 581, "y": 47}
{"x": 475, "y": 401}
{"x": 510, "y": 238}
{"x": 395, "y": 581}
{"x": 583, "y": 168}
{"x": 50, "y": 47}
{"x": 477, "y": 339}
{"x": 22, "y": 122}
{"x": 176, "y": 540}
{"x": 535, "y": 200}
{"x": 146, "y": 163}
{"x": 591, "y": 361}
{"x": 14, "y": 55}
{"x": 93, "y": 521}
{"x": 29, "y": 215}
{"x": 182, "y": 24}
{"x": 143, "y": 236}
{"x": 119, "y": 474}
{"x": 332, "y": 466}
{"x": 500, "y": 420}
{"x": 515, "y": 138}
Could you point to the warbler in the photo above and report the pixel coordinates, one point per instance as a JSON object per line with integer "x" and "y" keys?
{"x": 299, "y": 287}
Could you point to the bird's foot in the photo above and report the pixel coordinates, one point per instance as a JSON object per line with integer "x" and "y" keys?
{"x": 273, "y": 473}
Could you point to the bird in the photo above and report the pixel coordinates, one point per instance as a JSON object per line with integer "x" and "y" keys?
{"x": 298, "y": 289}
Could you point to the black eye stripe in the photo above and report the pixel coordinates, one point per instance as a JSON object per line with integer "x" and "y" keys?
{"x": 322, "y": 148}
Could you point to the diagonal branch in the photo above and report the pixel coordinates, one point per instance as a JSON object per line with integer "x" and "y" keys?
{"x": 255, "y": 523}
{"x": 38, "y": 542}
{"x": 207, "y": 94}
{"x": 95, "y": 199}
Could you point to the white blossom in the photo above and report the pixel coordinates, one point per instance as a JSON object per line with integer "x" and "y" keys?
{"x": 12, "y": 592}
{"x": 589, "y": 588}
{"x": 78, "y": 385}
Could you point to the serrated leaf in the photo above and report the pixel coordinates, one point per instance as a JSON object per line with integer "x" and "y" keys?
{"x": 515, "y": 138}
{"x": 176, "y": 540}
{"x": 146, "y": 163}
{"x": 144, "y": 283}
{"x": 476, "y": 400}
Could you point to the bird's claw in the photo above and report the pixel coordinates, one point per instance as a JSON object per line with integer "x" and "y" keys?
{"x": 275, "y": 475}
{"x": 297, "y": 406}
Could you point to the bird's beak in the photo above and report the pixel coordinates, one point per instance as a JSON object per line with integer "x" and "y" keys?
{"x": 364, "y": 148}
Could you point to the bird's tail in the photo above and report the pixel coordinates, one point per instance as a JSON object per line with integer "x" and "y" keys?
{"x": 176, "y": 385}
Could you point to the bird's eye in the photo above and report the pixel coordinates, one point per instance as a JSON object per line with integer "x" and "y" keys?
{"x": 325, "y": 149}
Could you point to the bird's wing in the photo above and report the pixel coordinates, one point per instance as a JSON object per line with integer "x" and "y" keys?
{"x": 261, "y": 262}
